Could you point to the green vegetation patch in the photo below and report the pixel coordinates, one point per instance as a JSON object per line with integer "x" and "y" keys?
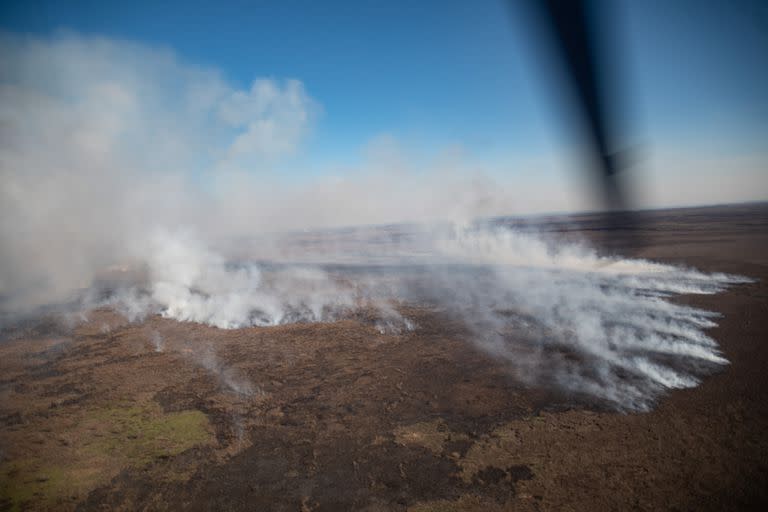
{"x": 105, "y": 442}
{"x": 141, "y": 434}
{"x": 29, "y": 481}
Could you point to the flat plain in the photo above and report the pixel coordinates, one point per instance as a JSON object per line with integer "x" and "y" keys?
{"x": 112, "y": 415}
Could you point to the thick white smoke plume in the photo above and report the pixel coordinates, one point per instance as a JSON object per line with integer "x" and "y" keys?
{"x": 187, "y": 281}
{"x": 191, "y": 283}
{"x": 118, "y": 156}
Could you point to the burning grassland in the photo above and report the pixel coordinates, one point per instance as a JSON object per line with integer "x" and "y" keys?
{"x": 343, "y": 413}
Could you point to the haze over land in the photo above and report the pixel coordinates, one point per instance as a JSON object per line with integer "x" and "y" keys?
{"x": 122, "y": 155}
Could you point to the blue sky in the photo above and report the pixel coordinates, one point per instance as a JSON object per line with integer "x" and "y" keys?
{"x": 455, "y": 73}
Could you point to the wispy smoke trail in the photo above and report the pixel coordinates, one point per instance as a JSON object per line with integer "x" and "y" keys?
{"x": 229, "y": 377}
{"x": 560, "y": 314}
{"x": 157, "y": 341}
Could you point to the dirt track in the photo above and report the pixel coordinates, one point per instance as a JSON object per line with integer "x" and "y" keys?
{"x": 340, "y": 417}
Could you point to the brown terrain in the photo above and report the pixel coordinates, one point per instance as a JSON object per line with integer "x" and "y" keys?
{"x": 112, "y": 415}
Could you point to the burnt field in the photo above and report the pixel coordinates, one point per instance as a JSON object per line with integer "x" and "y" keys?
{"x": 157, "y": 414}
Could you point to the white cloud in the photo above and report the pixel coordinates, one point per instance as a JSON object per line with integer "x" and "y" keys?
{"x": 273, "y": 119}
